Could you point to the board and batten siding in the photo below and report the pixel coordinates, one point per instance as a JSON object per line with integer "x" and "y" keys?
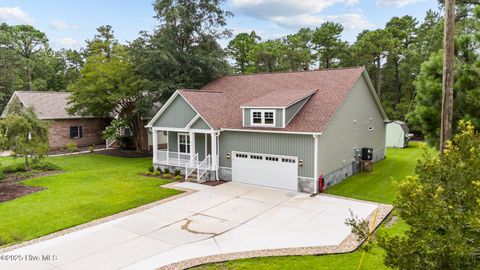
{"x": 348, "y": 130}
{"x": 292, "y": 110}
{"x": 278, "y": 116}
{"x": 177, "y": 115}
{"x": 200, "y": 124}
{"x": 299, "y": 145}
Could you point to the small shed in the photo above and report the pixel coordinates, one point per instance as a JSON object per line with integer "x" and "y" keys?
{"x": 397, "y": 134}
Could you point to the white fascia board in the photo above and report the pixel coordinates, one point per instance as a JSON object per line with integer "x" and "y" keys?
{"x": 271, "y": 131}
{"x": 195, "y": 118}
{"x": 164, "y": 107}
{"x": 262, "y": 107}
{"x": 196, "y": 111}
{"x": 374, "y": 94}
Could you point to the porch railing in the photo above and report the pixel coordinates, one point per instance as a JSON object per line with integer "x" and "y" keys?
{"x": 172, "y": 158}
{"x": 203, "y": 167}
{"x": 191, "y": 166}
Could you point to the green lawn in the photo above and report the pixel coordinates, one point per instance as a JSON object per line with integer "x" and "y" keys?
{"x": 91, "y": 187}
{"x": 377, "y": 186}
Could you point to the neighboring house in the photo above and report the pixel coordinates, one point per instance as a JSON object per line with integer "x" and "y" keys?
{"x": 281, "y": 130}
{"x": 52, "y": 106}
{"x": 398, "y": 134}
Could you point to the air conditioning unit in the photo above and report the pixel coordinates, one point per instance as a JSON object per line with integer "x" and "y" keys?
{"x": 367, "y": 153}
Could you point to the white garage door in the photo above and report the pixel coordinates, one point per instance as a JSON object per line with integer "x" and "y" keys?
{"x": 265, "y": 170}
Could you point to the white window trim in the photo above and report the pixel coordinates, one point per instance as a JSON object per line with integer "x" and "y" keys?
{"x": 263, "y": 118}
{"x": 78, "y": 131}
{"x": 189, "y": 142}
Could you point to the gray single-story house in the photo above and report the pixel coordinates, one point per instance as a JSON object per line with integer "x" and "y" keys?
{"x": 282, "y": 130}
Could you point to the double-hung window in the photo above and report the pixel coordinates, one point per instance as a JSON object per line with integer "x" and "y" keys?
{"x": 76, "y": 132}
{"x": 263, "y": 118}
{"x": 184, "y": 143}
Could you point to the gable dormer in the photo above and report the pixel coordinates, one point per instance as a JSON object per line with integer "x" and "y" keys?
{"x": 274, "y": 110}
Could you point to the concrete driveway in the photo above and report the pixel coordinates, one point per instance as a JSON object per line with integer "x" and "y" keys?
{"x": 215, "y": 220}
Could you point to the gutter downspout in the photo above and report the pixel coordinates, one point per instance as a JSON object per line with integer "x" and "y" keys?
{"x": 217, "y": 160}
{"x": 315, "y": 163}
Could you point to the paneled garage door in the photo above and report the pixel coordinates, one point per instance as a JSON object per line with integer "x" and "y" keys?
{"x": 265, "y": 170}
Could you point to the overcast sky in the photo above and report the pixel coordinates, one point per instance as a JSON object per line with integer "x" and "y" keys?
{"x": 69, "y": 23}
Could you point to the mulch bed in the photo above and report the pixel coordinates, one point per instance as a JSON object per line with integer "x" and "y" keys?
{"x": 10, "y": 188}
{"x": 125, "y": 153}
{"x": 214, "y": 183}
{"x": 80, "y": 149}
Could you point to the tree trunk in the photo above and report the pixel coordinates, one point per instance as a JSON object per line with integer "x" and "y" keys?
{"x": 398, "y": 83}
{"x": 27, "y": 164}
{"x": 378, "y": 76}
{"x": 447, "y": 80}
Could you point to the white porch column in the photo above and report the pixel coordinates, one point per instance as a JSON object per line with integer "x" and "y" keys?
{"x": 192, "y": 144}
{"x": 155, "y": 145}
{"x": 214, "y": 150}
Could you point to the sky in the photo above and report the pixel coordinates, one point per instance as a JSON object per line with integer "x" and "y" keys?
{"x": 68, "y": 23}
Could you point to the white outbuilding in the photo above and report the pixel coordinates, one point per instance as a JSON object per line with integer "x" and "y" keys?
{"x": 397, "y": 134}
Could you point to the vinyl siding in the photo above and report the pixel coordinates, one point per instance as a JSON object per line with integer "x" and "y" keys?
{"x": 301, "y": 146}
{"x": 278, "y": 116}
{"x": 200, "y": 124}
{"x": 177, "y": 115}
{"x": 200, "y": 145}
{"x": 292, "y": 110}
{"x": 348, "y": 130}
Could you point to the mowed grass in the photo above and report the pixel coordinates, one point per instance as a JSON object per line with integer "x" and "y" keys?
{"x": 90, "y": 187}
{"x": 377, "y": 186}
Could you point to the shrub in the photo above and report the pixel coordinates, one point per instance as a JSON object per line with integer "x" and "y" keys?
{"x": 166, "y": 175}
{"x": 177, "y": 172}
{"x": 45, "y": 166}
{"x": 159, "y": 170}
{"x": 151, "y": 169}
{"x": 91, "y": 148}
{"x": 167, "y": 171}
{"x": 14, "y": 168}
{"x": 72, "y": 147}
{"x": 156, "y": 173}
{"x": 148, "y": 173}
{"x": 178, "y": 177}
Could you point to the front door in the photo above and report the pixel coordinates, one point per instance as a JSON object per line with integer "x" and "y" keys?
{"x": 184, "y": 143}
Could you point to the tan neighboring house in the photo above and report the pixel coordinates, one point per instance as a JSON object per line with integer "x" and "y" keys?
{"x": 52, "y": 106}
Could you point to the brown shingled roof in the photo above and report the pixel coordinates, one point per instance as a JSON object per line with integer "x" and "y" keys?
{"x": 47, "y": 105}
{"x": 220, "y": 101}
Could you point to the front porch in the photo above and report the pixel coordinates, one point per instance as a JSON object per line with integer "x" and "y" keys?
{"x": 193, "y": 153}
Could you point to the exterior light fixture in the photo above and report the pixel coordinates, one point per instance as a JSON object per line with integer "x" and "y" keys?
{"x": 228, "y": 155}
{"x": 300, "y": 163}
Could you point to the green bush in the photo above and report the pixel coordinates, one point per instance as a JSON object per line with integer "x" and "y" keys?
{"x": 156, "y": 173}
{"x": 159, "y": 170}
{"x": 2, "y": 176}
{"x": 45, "y": 166}
{"x": 91, "y": 148}
{"x": 20, "y": 167}
{"x": 166, "y": 175}
{"x": 178, "y": 177}
{"x": 177, "y": 172}
{"x": 148, "y": 173}
{"x": 40, "y": 166}
{"x": 151, "y": 169}
{"x": 167, "y": 171}
{"x": 72, "y": 147}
